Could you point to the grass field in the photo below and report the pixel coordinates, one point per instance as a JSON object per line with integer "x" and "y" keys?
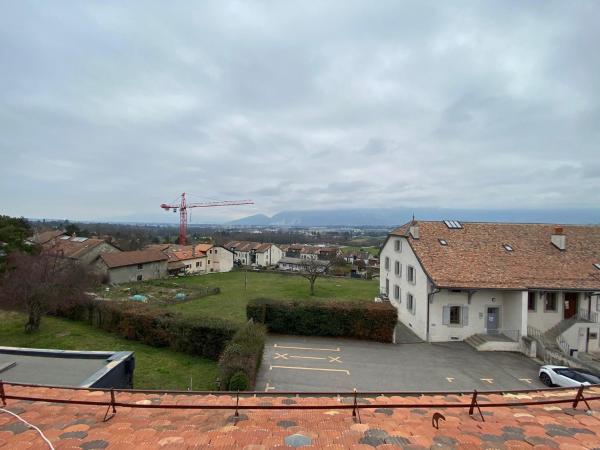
{"x": 231, "y": 302}
{"x": 352, "y": 248}
{"x": 156, "y": 368}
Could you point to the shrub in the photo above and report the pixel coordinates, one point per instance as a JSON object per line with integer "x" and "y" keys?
{"x": 243, "y": 355}
{"x": 239, "y": 381}
{"x": 155, "y": 327}
{"x": 366, "y": 320}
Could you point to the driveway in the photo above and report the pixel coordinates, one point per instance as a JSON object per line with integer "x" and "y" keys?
{"x": 299, "y": 363}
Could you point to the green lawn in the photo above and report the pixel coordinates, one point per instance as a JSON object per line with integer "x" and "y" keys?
{"x": 156, "y": 368}
{"x": 353, "y": 248}
{"x": 231, "y": 302}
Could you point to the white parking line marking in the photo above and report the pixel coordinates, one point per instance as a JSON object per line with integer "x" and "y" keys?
{"x": 308, "y": 348}
{"x": 526, "y": 380}
{"x": 450, "y": 379}
{"x": 336, "y": 359}
{"x": 488, "y": 380}
{"x": 347, "y": 372}
{"x": 269, "y": 387}
{"x": 307, "y": 357}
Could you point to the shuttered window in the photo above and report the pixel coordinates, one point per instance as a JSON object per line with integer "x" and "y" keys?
{"x": 397, "y": 268}
{"x": 455, "y": 315}
{"x": 410, "y": 303}
{"x": 396, "y": 292}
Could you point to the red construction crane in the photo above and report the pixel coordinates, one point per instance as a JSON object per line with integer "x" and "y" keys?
{"x": 183, "y": 207}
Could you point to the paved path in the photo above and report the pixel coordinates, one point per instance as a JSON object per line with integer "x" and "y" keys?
{"x": 328, "y": 364}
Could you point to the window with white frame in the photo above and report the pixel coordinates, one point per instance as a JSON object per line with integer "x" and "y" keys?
{"x": 410, "y": 302}
{"x": 387, "y": 263}
{"x": 455, "y": 315}
{"x": 410, "y": 274}
{"x": 396, "y": 292}
{"x": 397, "y": 268}
{"x": 398, "y": 245}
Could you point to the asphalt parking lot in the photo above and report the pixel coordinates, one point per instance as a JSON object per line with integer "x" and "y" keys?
{"x": 299, "y": 363}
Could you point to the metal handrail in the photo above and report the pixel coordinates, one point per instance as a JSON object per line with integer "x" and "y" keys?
{"x": 355, "y": 406}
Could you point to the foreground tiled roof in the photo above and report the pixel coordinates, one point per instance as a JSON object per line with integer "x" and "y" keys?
{"x": 122, "y": 259}
{"x": 82, "y": 427}
{"x": 475, "y": 256}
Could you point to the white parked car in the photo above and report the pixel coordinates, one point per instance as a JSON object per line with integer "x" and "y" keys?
{"x": 567, "y": 376}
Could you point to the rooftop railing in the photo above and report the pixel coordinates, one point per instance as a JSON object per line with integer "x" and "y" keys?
{"x": 112, "y": 401}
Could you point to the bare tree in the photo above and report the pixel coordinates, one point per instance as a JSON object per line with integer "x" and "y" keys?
{"x": 39, "y": 284}
{"x": 312, "y": 269}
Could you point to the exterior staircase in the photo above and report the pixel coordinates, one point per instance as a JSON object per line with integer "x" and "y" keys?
{"x": 492, "y": 342}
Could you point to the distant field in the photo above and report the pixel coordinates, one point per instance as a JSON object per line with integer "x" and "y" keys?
{"x": 155, "y": 368}
{"x": 353, "y": 248}
{"x": 231, "y": 302}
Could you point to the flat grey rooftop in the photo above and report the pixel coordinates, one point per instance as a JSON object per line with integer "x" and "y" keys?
{"x": 49, "y": 370}
{"x": 57, "y": 367}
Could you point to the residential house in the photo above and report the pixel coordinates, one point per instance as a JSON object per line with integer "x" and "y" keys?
{"x": 43, "y": 237}
{"x": 195, "y": 259}
{"x": 451, "y": 280}
{"x": 82, "y": 249}
{"x": 288, "y": 263}
{"x": 255, "y": 253}
{"x": 219, "y": 259}
{"x": 139, "y": 265}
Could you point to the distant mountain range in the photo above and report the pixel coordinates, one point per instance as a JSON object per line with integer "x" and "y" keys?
{"x": 397, "y": 216}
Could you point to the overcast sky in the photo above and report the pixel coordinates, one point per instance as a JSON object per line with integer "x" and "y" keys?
{"x": 110, "y": 108}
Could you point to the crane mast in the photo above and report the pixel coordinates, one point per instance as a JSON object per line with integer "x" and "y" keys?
{"x": 184, "y": 205}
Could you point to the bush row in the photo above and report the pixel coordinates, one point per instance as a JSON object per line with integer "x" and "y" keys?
{"x": 361, "y": 320}
{"x": 240, "y": 361}
{"x": 158, "y": 328}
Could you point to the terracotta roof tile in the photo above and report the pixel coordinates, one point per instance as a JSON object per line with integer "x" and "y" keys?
{"x": 475, "y": 256}
{"x": 121, "y": 259}
{"x": 81, "y": 426}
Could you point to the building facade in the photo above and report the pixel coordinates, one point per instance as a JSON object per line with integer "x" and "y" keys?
{"x": 450, "y": 281}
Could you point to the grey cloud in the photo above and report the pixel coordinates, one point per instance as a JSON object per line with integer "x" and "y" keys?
{"x": 108, "y": 109}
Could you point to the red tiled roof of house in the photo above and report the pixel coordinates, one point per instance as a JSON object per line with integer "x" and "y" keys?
{"x": 246, "y": 246}
{"x": 475, "y": 256}
{"x": 82, "y": 426}
{"x": 122, "y": 259}
{"x": 71, "y": 247}
{"x": 46, "y": 236}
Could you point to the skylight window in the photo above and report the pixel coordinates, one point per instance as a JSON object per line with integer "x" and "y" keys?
{"x": 443, "y": 242}
{"x": 453, "y": 224}
{"x": 508, "y": 247}
{"x": 64, "y": 238}
{"x": 597, "y": 266}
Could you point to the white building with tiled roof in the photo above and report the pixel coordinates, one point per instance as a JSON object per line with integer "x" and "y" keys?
{"x": 451, "y": 281}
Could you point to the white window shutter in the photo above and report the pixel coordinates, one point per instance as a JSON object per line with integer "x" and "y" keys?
{"x": 465, "y": 316}
{"x": 446, "y": 315}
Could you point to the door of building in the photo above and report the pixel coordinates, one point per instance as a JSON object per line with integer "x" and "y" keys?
{"x": 493, "y": 319}
{"x": 570, "y": 305}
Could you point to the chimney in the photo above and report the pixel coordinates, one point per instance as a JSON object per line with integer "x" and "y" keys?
{"x": 414, "y": 229}
{"x": 558, "y": 238}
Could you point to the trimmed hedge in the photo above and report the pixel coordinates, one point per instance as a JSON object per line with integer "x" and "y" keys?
{"x": 155, "y": 327}
{"x": 361, "y": 320}
{"x": 240, "y": 361}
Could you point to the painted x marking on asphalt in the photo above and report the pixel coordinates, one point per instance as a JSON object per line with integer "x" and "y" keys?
{"x": 280, "y": 356}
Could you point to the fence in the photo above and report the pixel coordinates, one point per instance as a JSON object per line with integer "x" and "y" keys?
{"x": 355, "y": 406}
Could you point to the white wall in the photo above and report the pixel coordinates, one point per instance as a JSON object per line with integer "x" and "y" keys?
{"x": 221, "y": 260}
{"x": 149, "y": 271}
{"x": 417, "y": 321}
{"x": 544, "y": 320}
{"x": 510, "y": 304}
